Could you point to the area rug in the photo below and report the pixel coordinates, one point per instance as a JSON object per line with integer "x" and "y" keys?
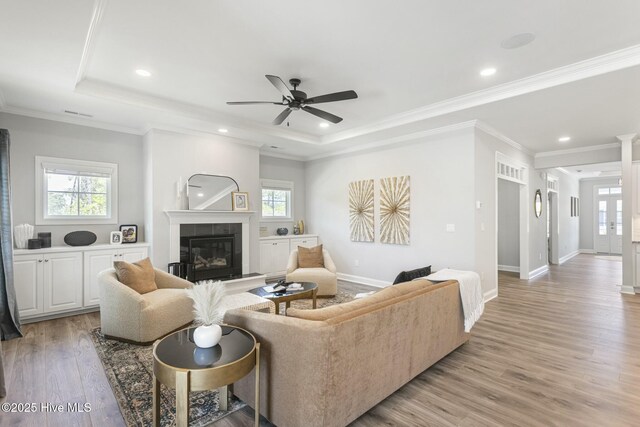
{"x": 306, "y": 304}
{"x": 129, "y": 369}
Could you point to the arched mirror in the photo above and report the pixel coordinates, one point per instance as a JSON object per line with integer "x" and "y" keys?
{"x": 210, "y": 192}
{"x": 537, "y": 203}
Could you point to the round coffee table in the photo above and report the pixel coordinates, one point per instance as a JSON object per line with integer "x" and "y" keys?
{"x": 178, "y": 363}
{"x": 309, "y": 290}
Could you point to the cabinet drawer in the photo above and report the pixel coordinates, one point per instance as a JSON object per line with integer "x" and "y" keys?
{"x": 307, "y": 242}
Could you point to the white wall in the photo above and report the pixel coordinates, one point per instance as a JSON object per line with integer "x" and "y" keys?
{"x": 508, "y": 224}
{"x": 32, "y": 137}
{"x": 173, "y": 156}
{"x": 587, "y": 215}
{"x": 285, "y": 170}
{"x": 442, "y": 188}
{"x": 569, "y": 227}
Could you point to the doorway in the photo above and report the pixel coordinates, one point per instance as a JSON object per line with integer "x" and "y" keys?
{"x": 552, "y": 228}
{"x": 608, "y": 220}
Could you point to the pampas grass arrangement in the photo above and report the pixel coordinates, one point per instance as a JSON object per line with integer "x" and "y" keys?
{"x": 206, "y": 296}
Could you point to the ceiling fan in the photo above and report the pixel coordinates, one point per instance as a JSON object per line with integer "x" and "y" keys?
{"x": 297, "y": 100}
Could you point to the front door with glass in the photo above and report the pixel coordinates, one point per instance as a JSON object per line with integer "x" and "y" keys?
{"x": 608, "y": 236}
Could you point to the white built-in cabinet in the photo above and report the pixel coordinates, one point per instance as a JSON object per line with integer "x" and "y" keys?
{"x": 97, "y": 261}
{"x": 275, "y": 250}
{"x": 64, "y": 280}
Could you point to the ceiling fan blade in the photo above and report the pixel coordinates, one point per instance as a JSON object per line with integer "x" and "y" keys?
{"x": 323, "y": 114}
{"x": 281, "y": 86}
{"x": 331, "y": 97}
{"x": 278, "y": 120}
{"x": 252, "y": 102}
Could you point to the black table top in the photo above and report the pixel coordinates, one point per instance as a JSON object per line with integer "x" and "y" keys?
{"x": 178, "y": 349}
{"x": 261, "y": 292}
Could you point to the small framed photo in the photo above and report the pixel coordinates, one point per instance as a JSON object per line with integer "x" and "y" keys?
{"x": 129, "y": 233}
{"x": 240, "y": 201}
{"x": 116, "y": 238}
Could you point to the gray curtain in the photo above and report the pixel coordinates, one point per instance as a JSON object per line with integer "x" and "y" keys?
{"x": 9, "y": 319}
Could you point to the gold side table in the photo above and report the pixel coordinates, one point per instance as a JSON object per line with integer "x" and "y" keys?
{"x": 178, "y": 363}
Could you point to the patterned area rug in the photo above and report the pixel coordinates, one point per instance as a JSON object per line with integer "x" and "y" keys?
{"x": 129, "y": 369}
{"x": 306, "y": 304}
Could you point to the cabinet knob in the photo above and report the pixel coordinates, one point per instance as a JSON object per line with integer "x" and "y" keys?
{"x": 39, "y": 260}
{"x": 46, "y": 260}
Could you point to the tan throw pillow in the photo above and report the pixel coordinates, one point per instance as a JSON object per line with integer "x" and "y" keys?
{"x": 310, "y": 257}
{"x": 139, "y": 276}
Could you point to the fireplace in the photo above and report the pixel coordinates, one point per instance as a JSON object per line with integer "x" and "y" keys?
{"x": 211, "y": 251}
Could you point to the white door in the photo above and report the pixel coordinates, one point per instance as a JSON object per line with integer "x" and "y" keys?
{"x": 608, "y": 236}
{"x": 94, "y": 263}
{"x": 62, "y": 281}
{"x": 27, "y": 279}
{"x": 274, "y": 256}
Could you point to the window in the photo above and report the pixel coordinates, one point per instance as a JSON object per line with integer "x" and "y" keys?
{"x": 75, "y": 192}
{"x": 602, "y": 218}
{"x": 277, "y": 200}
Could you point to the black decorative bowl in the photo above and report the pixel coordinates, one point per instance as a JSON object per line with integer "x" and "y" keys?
{"x": 80, "y": 238}
{"x": 282, "y": 231}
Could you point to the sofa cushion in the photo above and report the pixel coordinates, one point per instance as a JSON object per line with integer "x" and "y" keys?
{"x": 139, "y": 276}
{"x": 383, "y": 296}
{"x": 310, "y": 257}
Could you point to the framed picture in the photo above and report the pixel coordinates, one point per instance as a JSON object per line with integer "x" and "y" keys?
{"x": 116, "y": 238}
{"x": 129, "y": 233}
{"x": 240, "y": 201}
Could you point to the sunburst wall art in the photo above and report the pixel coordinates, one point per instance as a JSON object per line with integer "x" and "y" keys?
{"x": 394, "y": 210}
{"x": 361, "y": 211}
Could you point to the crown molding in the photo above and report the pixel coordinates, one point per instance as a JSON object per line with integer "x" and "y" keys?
{"x": 90, "y": 41}
{"x": 577, "y": 150}
{"x": 613, "y": 61}
{"x": 502, "y": 137}
{"x": 398, "y": 139}
{"x": 282, "y": 156}
{"x": 203, "y": 134}
{"x": 60, "y": 117}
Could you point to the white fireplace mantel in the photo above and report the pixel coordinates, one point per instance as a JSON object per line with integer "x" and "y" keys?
{"x": 178, "y": 217}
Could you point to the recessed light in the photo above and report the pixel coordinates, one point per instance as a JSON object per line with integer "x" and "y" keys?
{"x": 488, "y": 72}
{"x": 223, "y": 130}
{"x": 143, "y": 73}
{"x": 564, "y": 139}
{"x": 324, "y": 125}
{"x": 518, "y": 40}
{"x": 200, "y": 194}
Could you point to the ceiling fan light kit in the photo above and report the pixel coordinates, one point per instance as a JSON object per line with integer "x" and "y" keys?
{"x": 294, "y": 100}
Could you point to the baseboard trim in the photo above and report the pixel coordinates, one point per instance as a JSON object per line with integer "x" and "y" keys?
{"x": 363, "y": 280}
{"x": 587, "y": 251}
{"x": 509, "y": 268}
{"x": 568, "y": 257}
{"x": 627, "y": 290}
{"x": 538, "y": 271}
{"x": 74, "y": 312}
{"x": 489, "y": 295}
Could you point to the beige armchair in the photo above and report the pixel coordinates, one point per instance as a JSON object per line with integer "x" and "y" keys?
{"x": 325, "y": 278}
{"x": 129, "y": 316}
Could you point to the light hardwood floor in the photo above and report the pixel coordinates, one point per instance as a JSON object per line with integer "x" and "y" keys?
{"x": 562, "y": 349}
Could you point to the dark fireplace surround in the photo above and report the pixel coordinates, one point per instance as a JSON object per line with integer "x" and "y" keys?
{"x": 211, "y": 251}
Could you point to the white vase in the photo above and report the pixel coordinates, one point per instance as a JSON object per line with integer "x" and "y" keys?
{"x": 206, "y": 336}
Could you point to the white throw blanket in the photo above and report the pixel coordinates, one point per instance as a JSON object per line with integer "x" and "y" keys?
{"x": 470, "y": 293}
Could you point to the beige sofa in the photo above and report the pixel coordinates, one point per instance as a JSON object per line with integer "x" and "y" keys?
{"x": 333, "y": 365}
{"x": 326, "y": 278}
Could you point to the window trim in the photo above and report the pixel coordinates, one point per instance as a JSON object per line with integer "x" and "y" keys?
{"x": 79, "y": 165}
{"x": 273, "y": 184}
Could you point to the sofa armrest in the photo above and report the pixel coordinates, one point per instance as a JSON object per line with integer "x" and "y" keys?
{"x": 293, "y": 261}
{"x": 328, "y": 262}
{"x": 165, "y": 280}
{"x": 294, "y": 365}
{"x": 120, "y": 306}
